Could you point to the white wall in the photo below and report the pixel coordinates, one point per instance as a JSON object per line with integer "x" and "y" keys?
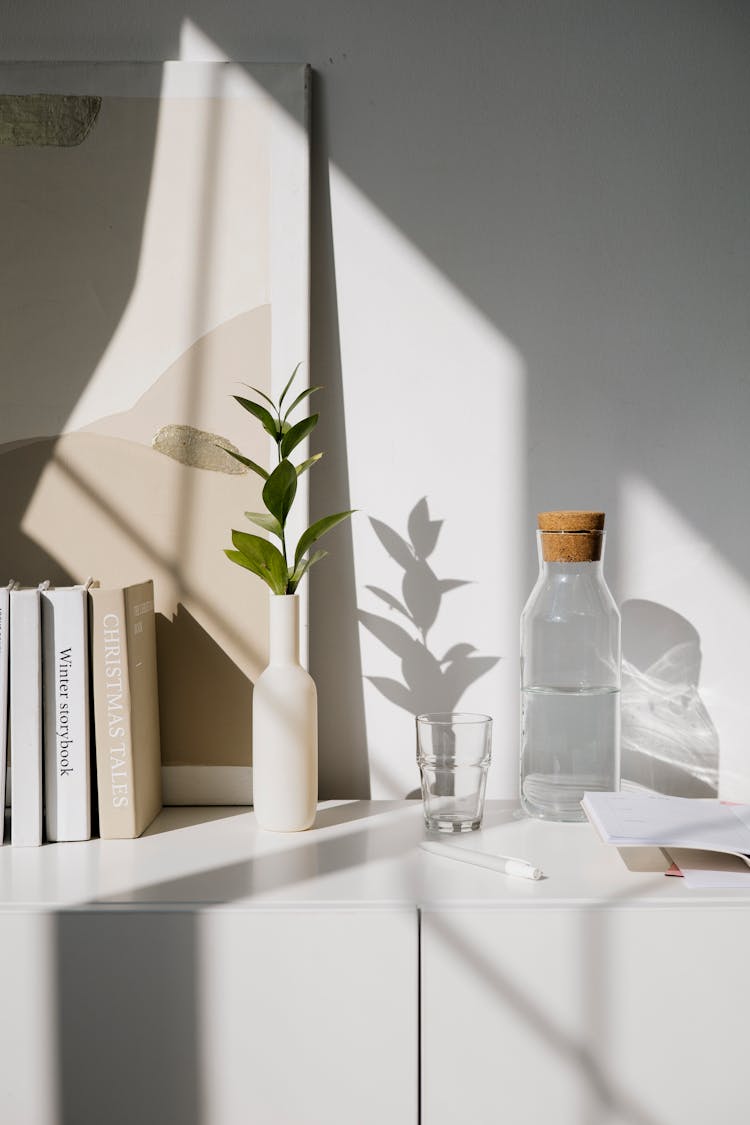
{"x": 531, "y": 271}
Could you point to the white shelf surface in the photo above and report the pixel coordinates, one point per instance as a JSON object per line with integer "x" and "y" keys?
{"x": 359, "y": 855}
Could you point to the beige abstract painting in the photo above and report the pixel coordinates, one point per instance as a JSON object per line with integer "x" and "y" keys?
{"x": 154, "y": 258}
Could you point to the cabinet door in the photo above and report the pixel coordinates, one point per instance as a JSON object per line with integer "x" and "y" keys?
{"x": 30, "y": 1074}
{"x": 99, "y": 1019}
{"x": 310, "y": 1017}
{"x": 282, "y": 1017}
{"x": 609, "y": 1016}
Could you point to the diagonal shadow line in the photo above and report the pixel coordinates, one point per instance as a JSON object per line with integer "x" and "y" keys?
{"x": 576, "y": 1054}
{"x": 277, "y": 870}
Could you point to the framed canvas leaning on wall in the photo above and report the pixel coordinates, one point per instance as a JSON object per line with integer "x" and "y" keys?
{"x": 154, "y": 257}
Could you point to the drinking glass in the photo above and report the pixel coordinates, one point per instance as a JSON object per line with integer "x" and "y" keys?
{"x": 453, "y": 753}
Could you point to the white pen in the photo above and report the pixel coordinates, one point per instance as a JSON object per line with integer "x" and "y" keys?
{"x": 506, "y": 865}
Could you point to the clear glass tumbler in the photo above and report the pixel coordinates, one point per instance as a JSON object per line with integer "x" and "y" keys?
{"x": 453, "y": 753}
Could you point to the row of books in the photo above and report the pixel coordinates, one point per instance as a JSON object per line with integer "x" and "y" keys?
{"x": 69, "y": 655}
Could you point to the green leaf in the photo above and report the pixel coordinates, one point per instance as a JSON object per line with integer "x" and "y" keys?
{"x": 267, "y": 561}
{"x": 303, "y": 566}
{"x": 279, "y": 490}
{"x": 249, "y": 564}
{"x": 291, "y": 380}
{"x": 266, "y": 521}
{"x": 297, "y": 433}
{"x": 244, "y": 461}
{"x": 270, "y": 424}
{"x": 299, "y": 398}
{"x": 306, "y": 464}
{"x": 316, "y": 530}
{"x": 241, "y": 560}
{"x": 262, "y": 394}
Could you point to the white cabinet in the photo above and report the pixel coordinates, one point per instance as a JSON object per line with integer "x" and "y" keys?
{"x": 309, "y": 1016}
{"x": 211, "y": 974}
{"x": 605, "y": 1016}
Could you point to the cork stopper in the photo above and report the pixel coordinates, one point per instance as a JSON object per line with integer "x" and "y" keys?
{"x": 571, "y": 536}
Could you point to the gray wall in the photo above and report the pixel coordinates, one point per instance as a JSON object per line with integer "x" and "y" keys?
{"x": 578, "y": 174}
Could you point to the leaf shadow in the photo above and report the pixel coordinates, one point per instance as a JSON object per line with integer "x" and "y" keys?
{"x": 429, "y": 681}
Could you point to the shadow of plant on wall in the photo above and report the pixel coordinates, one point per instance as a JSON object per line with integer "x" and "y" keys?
{"x": 430, "y": 682}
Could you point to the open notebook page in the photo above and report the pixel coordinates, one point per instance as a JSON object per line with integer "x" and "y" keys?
{"x": 628, "y": 819}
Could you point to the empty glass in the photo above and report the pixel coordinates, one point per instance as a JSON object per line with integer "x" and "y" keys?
{"x": 453, "y": 753}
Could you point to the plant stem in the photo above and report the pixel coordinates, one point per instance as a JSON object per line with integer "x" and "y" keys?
{"x": 283, "y": 535}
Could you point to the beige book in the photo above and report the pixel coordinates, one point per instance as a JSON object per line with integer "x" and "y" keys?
{"x": 126, "y": 709}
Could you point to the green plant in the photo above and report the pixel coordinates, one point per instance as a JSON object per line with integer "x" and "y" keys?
{"x": 253, "y": 552}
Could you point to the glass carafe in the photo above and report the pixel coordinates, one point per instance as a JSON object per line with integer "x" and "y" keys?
{"x": 570, "y": 671}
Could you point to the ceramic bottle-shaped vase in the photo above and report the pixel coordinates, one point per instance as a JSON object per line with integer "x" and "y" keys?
{"x": 285, "y": 729}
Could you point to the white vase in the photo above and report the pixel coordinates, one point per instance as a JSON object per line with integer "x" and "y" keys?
{"x": 285, "y": 729}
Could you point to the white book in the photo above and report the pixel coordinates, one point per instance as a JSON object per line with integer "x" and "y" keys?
{"x": 4, "y": 669}
{"x": 67, "y": 768}
{"x": 25, "y": 718}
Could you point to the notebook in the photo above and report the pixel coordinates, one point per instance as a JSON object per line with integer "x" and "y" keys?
{"x": 700, "y": 825}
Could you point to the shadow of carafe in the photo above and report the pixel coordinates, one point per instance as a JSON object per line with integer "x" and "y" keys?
{"x": 429, "y": 681}
{"x": 669, "y": 742}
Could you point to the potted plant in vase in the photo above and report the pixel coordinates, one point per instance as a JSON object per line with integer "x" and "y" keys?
{"x": 285, "y": 716}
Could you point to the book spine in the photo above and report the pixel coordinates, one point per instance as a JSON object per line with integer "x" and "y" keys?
{"x": 4, "y": 676}
{"x": 112, "y": 715}
{"x": 141, "y": 633}
{"x": 25, "y": 718}
{"x": 66, "y": 714}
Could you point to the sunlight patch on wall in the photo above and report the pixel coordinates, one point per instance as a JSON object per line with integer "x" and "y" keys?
{"x": 435, "y": 394}
{"x": 196, "y": 46}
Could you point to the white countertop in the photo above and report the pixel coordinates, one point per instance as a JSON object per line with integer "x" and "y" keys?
{"x": 359, "y": 855}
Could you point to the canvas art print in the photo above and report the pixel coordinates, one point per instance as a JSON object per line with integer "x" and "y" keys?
{"x": 154, "y": 257}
